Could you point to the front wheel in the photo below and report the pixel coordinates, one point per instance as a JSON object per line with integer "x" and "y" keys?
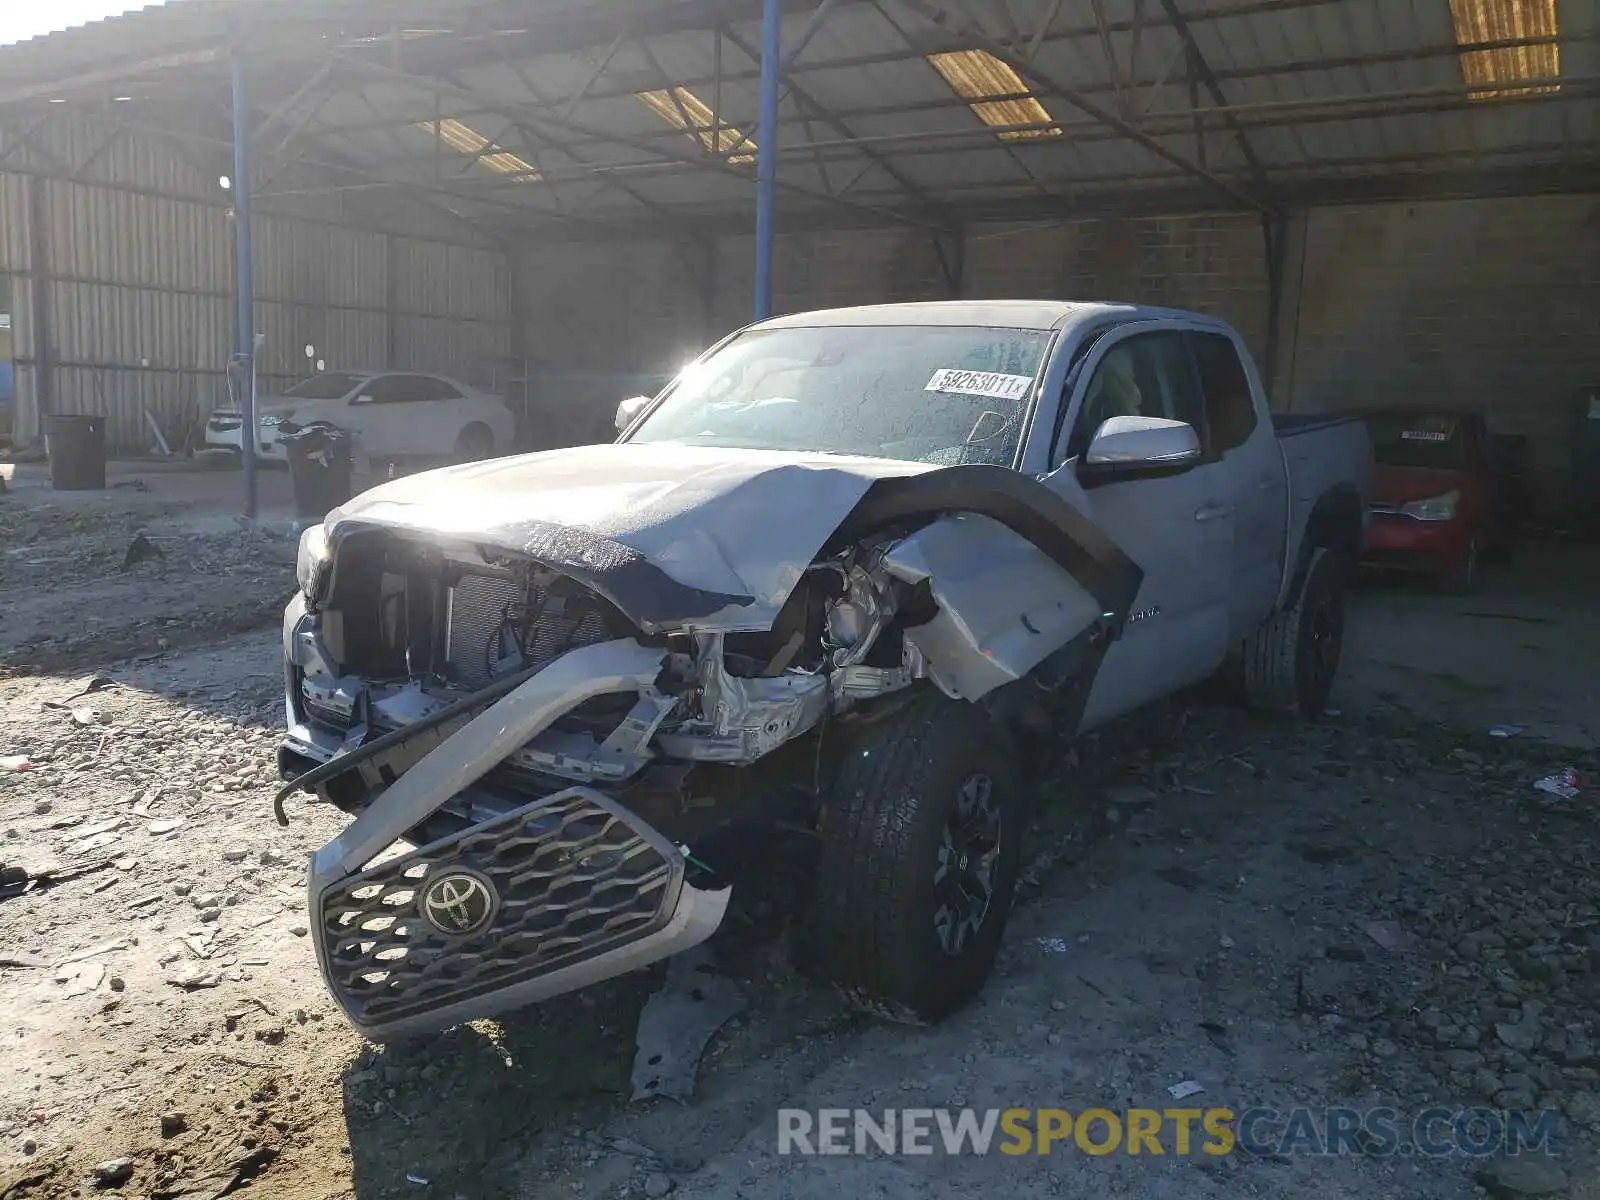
{"x": 475, "y": 443}
{"x": 1289, "y": 664}
{"x": 921, "y": 847}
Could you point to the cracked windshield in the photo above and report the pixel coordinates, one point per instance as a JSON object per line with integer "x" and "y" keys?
{"x": 950, "y": 395}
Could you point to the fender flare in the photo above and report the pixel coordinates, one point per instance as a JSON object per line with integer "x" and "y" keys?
{"x": 1336, "y": 523}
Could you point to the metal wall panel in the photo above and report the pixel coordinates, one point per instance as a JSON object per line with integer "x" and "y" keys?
{"x": 466, "y": 350}
{"x": 103, "y": 235}
{"x": 138, "y": 327}
{"x": 435, "y": 279}
{"x": 344, "y": 338}
{"x": 13, "y": 223}
{"x": 319, "y": 264}
{"x": 107, "y": 154}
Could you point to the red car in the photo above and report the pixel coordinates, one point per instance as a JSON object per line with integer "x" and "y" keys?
{"x": 1432, "y": 493}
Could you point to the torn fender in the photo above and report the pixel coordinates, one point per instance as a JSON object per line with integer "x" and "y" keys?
{"x": 1017, "y": 573}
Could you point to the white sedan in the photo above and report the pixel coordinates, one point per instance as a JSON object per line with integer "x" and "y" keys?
{"x": 394, "y": 414}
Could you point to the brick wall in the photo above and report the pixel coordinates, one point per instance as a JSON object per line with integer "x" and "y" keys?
{"x": 1212, "y": 264}
{"x": 1493, "y": 304}
{"x": 604, "y": 317}
{"x": 1488, "y": 303}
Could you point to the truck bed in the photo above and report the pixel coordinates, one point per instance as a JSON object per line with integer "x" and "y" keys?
{"x": 1321, "y": 451}
{"x": 1289, "y": 424}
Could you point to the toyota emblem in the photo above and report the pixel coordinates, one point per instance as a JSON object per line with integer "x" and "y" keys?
{"x": 459, "y": 903}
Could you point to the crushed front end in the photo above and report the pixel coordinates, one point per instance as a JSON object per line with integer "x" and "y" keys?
{"x": 519, "y": 758}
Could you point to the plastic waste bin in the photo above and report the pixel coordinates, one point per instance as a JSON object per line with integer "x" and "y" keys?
{"x": 76, "y": 446}
{"x": 319, "y": 468}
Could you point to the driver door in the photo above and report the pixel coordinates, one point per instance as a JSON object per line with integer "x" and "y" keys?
{"x": 1176, "y": 526}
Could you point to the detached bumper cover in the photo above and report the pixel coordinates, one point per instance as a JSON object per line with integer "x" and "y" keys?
{"x": 560, "y": 893}
{"x": 578, "y": 891}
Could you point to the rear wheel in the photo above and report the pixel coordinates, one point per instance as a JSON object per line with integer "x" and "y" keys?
{"x": 1289, "y": 664}
{"x": 921, "y": 846}
{"x": 474, "y": 443}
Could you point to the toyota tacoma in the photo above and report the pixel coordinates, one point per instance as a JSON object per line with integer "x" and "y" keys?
{"x": 832, "y": 577}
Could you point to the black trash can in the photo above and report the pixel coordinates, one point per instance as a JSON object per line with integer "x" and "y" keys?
{"x": 319, "y": 468}
{"x": 76, "y": 445}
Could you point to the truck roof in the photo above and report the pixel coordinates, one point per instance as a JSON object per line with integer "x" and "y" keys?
{"x": 1003, "y": 314}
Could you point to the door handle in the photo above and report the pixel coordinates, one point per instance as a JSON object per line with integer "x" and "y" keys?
{"x": 1212, "y": 512}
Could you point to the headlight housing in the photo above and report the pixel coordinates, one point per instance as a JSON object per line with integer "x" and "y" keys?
{"x": 1439, "y": 508}
{"x": 311, "y": 563}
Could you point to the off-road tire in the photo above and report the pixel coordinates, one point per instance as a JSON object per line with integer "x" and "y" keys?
{"x": 1289, "y": 664}
{"x": 896, "y": 787}
{"x": 475, "y": 443}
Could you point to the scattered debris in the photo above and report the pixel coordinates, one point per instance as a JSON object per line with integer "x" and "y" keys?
{"x": 1387, "y": 934}
{"x": 86, "y": 686}
{"x": 94, "y": 842}
{"x": 1506, "y": 731}
{"x": 1522, "y": 1175}
{"x": 164, "y": 825}
{"x": 193, "y": 979}
{"x": 419, "y": 1180}
{"x": 81, "y": 978}
{"x": 1565, "y": 784}
{"x": 677, "y": 1023}
{"x": 1184, "y": 1088}
{"x": 1052, "y": 945}
{"x": 96, "y": 951}
{"x": 12, "y": 764}
{"x": 113, "y": 1172}
{"x": 173, "y": 1123}
{"x": 20, "y": 1182}
{"x": 1183, "y": 877}
{"x": 222, "y": 1182}
{"x": 141, "y": 549}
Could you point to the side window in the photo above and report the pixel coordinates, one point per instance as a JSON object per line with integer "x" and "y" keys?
{"x": 1147, "y": 375}
{"x": 406, "y": 389}
{"x": 438, "y": 389}
{"x": 383, "y": 390}
{"x": 1229, "y": 407}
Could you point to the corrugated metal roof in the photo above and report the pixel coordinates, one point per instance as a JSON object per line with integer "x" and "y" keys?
{"x": 1253, "y": 98}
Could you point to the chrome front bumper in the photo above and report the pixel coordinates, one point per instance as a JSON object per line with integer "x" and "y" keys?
{"x": 574, "y": 887}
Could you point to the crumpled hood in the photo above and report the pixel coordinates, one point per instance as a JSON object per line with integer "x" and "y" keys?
{"x": 738, "y": 527}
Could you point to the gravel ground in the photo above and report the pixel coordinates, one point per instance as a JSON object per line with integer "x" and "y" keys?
{"x": 88, "y": 582}
{"x": 1372, "y": 909}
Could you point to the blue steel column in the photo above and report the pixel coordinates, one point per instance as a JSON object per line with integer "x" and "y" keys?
{"x": 244, "y": 286}
{"x": 767, "y": 155}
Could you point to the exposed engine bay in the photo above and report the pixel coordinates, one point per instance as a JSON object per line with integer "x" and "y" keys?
{"x": 411, "y": 630}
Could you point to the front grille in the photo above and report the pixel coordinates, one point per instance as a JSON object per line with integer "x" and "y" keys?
{"x": 483, "y": 628}
{"x": 575, "y": 875}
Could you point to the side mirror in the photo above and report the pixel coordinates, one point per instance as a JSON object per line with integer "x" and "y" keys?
{"x": 1125, "y": 446}
{"x": 629, "y": 409}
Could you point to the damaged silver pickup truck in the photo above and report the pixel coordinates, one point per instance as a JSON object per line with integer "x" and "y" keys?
{"x": 832, "y": 578}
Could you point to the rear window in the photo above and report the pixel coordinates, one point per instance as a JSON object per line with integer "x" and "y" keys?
{"x": 1418, "y": 440}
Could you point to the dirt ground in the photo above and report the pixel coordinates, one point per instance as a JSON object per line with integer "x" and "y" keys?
{"x": 1375, "y": 908}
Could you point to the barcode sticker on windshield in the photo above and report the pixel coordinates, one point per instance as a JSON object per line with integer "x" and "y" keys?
{"x": 980, "y": 383}
{"x": 1423, "y": 435}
